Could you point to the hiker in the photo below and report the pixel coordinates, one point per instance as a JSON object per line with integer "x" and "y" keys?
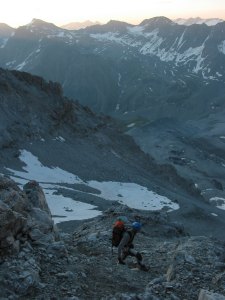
{"x": 126, "y": 246}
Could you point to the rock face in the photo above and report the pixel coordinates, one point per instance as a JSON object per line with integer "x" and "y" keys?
{"x": 38, "y": 262}
{"x": 206, "y": 295}
{"x": 25, "y": 221}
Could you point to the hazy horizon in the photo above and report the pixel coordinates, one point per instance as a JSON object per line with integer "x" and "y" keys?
{"x": 102, "y": 23}
{"x": 17, "y": 13}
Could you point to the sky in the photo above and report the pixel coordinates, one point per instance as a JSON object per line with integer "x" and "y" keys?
{"x": 20, "y": 12}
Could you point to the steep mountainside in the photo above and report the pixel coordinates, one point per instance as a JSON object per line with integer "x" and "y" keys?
{"x": 5, "y": 33}
{"x": 164, "y": 80}
{"x": 91, "y": 151}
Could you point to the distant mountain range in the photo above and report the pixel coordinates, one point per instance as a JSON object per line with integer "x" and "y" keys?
{"x": 152, "y": 70}
{"x": 140, "y": 74}
{"x": 191, "y": 21}
{"x": 79, "y": 25}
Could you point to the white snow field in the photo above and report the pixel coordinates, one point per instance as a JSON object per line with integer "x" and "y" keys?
{"x": 66, "y": 209}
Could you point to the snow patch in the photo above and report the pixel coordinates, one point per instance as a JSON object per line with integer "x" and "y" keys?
{"x": 59, "y": 138}
{"x": 213, "y": 214}
{"x": 29, "y": 57}
{"x": 152, "y": 46}
{"x": 218, "y": 74}
{"x": 34, "y": 170}
{"x": 131, "y": 125}
{"x": 180, "y": 42}
{"x": 220, "y": 202}
{"x": 65, "y": 209}
{"x": 119, "y": 79}
{"x": 20, "y": 66}
{"x": 221, "y": 47}
{"x": 10, "y": 63}
{"x": 4, "y": 42}
{"x": 117, "y": 106}
{"x": 115, "y": 37}
{"x": 132, "y": 195}
{"x": 61, "y": 34}
{"x": 48, "y": 179}
{"x": 136, "y": 30}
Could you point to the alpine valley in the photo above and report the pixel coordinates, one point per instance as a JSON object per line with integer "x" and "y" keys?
{"x": 112, "y": 120}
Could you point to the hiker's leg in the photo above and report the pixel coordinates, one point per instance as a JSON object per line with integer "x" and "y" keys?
{"x": 136, "y": 254}
{"x": 125, "y": 253}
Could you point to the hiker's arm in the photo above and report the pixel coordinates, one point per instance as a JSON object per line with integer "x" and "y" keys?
{"x": 123, "y": 243}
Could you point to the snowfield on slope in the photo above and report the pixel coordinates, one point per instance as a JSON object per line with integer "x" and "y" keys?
{"x": 66, "y": 209}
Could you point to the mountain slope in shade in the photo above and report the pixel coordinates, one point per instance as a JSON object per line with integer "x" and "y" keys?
{"x": 37, "y": 120}
{"x": 152, "y": 76}
{"x": 5, "y": 33}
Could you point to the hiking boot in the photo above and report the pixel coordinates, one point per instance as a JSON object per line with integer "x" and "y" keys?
{"x": 143, "y": 268}
{"x": 121, "y": 262}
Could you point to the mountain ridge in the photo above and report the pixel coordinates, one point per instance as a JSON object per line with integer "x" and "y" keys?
{"x": 198, "y": 20}
{"x": 79, "y": 25}
{"x": 174, "y": 46}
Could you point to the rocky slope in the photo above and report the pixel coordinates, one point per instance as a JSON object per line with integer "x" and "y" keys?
{"x": 37, "y": 118}
{"x": 183, "y": 248}
{"x": 40, "y": 262}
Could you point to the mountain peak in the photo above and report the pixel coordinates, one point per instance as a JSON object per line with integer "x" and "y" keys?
{"x": 156, "y": 21}
{"x": 40, "y": 23}
{"x": 5, "y": 31}
{"x": 4, "y": 26}
{"x": 112, "y": 26}
{"x": 116, "y": 24}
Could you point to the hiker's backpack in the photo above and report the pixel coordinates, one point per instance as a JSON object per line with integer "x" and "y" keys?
{"x": 117, "y": 233}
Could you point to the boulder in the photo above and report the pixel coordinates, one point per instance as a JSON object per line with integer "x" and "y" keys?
{"x": 24, "y": 215}
{"x": 26, "y": 230}
{"x": 207, "y": 295}
{"x": 36, "y": 196}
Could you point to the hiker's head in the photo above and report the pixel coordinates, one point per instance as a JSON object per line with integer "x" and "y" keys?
{"x": 136, "y": 226}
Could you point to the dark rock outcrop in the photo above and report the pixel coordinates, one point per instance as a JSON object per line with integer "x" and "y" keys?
{"x": 25, "y": 222}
